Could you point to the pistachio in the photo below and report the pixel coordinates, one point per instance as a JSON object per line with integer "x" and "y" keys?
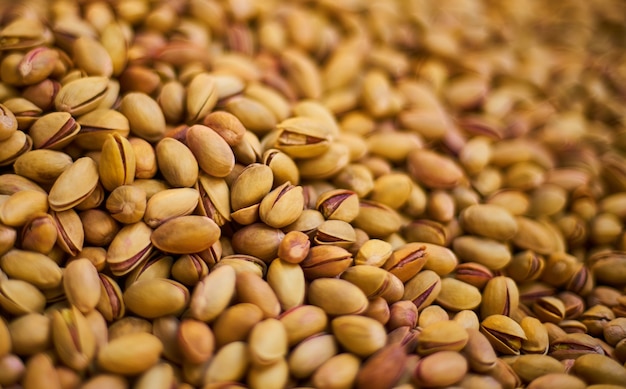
{"x": 500, "y": 297}
{"x": 287, "y": 281}
{"x": 303, "y": 321}
{"x": 144, "y": 116}
{"x": 422, "y": 289}
{"x": 235, "y": 323}
{"x": 74, "y": 341}
{"x": 310, "y": 354}
{"x": 19, "y": 297}
{"x": 599, "y": 369}
{"x": 81, "y": 284}
{"x": 82, "y": 95}
{"x": 337, "y": 296}
{"x": 229, "y": 364}
{"x": 446, "y": 335}
{"x": 360, "y": 335}
{"x": 340, "y": 371}
{"x": 129, "y": 248}
{"x": 176, "y": 163}
{"x": 503, "y": 333}
{"x": 213, "y": 154}
{"x": 325, "y": 261}
{"x": 30, "y": 334}
{"x": 443, "y": 368}
{"x": 282, "y": 206}
{"x": 173, "y": 236}
{"x": 156, "y": 297}
{"x": 253, "y": 289}
{"x": 130, "y": 354}
{"x": 457, "y": 295}
{"x": 74, "y": 185}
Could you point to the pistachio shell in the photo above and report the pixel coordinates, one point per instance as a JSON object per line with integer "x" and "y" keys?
{"x": 130, "y": 354}
{"x": 74, "y": 185}
{"x": 156, "y": 297}
{"x": 186, "y": 234}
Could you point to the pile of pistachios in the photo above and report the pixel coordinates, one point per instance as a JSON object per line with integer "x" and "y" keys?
{"x": 328, "y": 194}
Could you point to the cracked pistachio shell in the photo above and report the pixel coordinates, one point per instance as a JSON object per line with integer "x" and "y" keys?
{"x": 22, "y": 206}
{"x": 156, "y": 297}
{"x": 214, "y": 198}
{"x": 407, "y": 260}
{"x": 283, "y": 167}
{"x": 97, "y": 124}
{"x": 25, "y": 112}
{"x": 43, "y": 166}
{"x": 82, "y": 284}
{"x": 20, "y": 297}
{"x": 54, "y": 130}
{"x": 282, "y": 206}
{"x": 35, "y": 268}
{"x": 422, "y": 289}
{"x": 17, "y": 144}
{"x": 504, "y": 334}
{"x": 189, "y": 269}
{"x": 446, "y": 335}
{"x": 457, "y": 295}
{"x": 81, "y": 95}
{"x": 111, "y": 303}
{"x": 74, "y": 185}
{"x": 303, "y": 137}
{"x": 70, "y": 231}
{"x": 73, "y": 338}
{"x": 130, "y": 354}
{"x": 144, "y": 116}
{"x": 130, "y": 246}
{"x": 213, "y": 154}
{"x": 325, "y": 261}
{"x": 213, "y": 294}
{"x": 373, "y": 281}
{"x": 117, "y": 162}
{"x": 201, "y": 97}
{"x": 337, "y": 232}
{"x": 374, "y": 252}
{"x": 176, "y": 163}
{"x": 251, "y": 186}
{"x": 337, "y": 297}
{"x": 338, "y": 204}
{"x": 360, "y": 335}
{"x": 500, "y": 296}
{"x": 186, "y": 234}
{"x": 537, "y": 341}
